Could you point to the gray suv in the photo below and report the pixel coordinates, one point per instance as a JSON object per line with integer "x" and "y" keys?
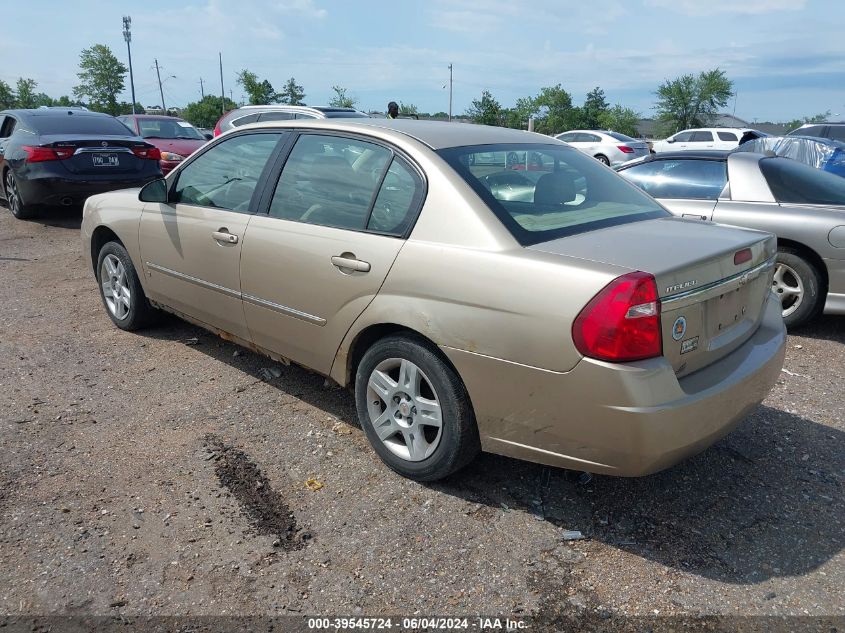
{"x": 257, "y": 113}
{"x": 833, "y": 131}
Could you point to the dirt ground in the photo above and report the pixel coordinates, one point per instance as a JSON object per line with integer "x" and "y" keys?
{"x": 167, "y": 473}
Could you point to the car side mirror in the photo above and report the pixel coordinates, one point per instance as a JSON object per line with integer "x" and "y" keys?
{"x": 208, "y": 136}
{"x": 670, "y": 140}
{"x": 154, "y": 191}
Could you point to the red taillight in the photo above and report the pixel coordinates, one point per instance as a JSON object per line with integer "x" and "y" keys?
{"x": 625, "y": 149}
{"x": 740, "y": 257}
{"x": 622, "y": 322}
{"x": 217, "y": 130}
{"x": 152, "y": 153}
{"x": 41, "y": 154}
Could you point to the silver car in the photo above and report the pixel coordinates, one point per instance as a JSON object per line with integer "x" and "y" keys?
{"x": 281, "y": 112}
{"x": 611, "y": 148}
{"x": 803, "y": 206}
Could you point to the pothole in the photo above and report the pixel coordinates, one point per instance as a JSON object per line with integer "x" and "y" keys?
{"x": 266, "y": 509}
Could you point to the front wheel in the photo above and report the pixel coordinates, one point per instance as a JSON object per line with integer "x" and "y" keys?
{"x": 120, "y": 289}
{"x": 414, "y": 409}
{"x": 797, "y": 284}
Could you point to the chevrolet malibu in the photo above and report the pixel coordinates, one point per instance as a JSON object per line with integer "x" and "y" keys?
{"x": 582, "y": 326}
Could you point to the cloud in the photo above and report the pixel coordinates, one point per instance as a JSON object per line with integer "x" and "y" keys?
{"x": 749, "y": 7}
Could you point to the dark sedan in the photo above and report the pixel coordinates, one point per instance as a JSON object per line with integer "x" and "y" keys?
{"x": 802, "y": 205}
{"x": 60, "y": 156}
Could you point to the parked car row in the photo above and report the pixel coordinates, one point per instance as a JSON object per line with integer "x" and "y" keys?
{"x": 48, "y": 157}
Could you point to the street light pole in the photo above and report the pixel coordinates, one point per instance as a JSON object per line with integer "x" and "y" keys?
{"x": 160, "y": 91}
{"x": 127, "y": 35}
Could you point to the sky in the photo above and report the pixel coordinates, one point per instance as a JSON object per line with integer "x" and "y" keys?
{"x": 785, "y": 57}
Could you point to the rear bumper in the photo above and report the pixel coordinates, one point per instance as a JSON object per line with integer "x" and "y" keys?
{"x": 627, "y": 419}
{"x": 51, "y": 184}
{"x": 52, "y": 190}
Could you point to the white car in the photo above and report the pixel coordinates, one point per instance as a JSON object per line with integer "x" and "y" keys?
{"x": 611, "y": 148}
{"x": 725, "y": 138}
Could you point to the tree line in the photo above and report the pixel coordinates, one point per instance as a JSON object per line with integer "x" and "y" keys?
{"x": 684, "y": 102}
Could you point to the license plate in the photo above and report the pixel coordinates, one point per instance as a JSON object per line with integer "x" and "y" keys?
{"x": 105, "y": 160}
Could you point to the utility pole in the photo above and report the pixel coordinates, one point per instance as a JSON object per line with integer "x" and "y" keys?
{"x": 450, "y": 92}
{"x": 202, "y": 91}
{"x": 127, "y": 35}
{"x": 160, "y": 91}
{"x": 222, "y": 92}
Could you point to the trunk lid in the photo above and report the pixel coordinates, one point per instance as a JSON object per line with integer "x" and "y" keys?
{"x": 710, "y": 305}
{"x": 99, "y": 155}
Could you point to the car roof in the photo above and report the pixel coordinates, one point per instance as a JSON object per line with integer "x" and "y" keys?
{"x": 700, "y": 154}
{"x": 152, "y": 117}
{"x": 435, "y": 134}
{"x": 54, "y": 112}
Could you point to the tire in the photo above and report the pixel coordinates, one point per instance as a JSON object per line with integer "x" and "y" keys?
{"x": 13, "y": 197}
{"x": 603, "y": 159}
{"x": 414, "y": 449}
{"x": 798, "y": 285}
{"x": 117, "y": 278}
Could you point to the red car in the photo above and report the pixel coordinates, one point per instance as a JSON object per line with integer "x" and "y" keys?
{"x": 177, "y": 139}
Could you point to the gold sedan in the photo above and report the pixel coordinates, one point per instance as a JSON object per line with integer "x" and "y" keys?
{"x": 541, "y": 308}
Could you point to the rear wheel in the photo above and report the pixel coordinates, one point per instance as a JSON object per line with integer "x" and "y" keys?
{"x": 414, "y": 409}
{"x": 797, "y": 284}
{"x": 603, "y": 159}
{"x": 120, "y": 289}
{"x": 13, "y": 198}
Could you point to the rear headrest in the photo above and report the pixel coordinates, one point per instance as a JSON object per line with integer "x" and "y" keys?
{"x": 332, "y": 168}
{"x": 554, "y": 188}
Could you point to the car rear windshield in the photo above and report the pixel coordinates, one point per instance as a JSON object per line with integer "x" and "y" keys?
{"x": 797, "y": 183}
{"x": 621, "y": 137}
{"x": 79, "y": 124}
{"x": 169, "y": 129}
{"x": 543, "y": 192}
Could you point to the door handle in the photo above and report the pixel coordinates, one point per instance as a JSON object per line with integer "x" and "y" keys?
{"x": 223, "y": 235}
{"x": 350, "y": 263}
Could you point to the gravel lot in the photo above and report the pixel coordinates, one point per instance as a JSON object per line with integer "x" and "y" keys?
{"x": 151, "y": 473}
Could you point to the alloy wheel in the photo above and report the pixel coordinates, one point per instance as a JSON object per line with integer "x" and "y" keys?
{"x": 115, "y": 285}
{"x": 13, "y": 198}
{"x": 789, "y": 288}
{"x": 404, "y": 409}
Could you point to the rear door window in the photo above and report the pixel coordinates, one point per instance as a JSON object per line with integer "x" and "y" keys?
{"x": 331, "y": 181}
{"x": 7, "y": 126}
{"x": 690, "y": 179}
{"x": 275, "y": 116}
{"x": 813, "y": 130}
{"x": 249, "y": 118}
{"x": 225, "y": 176}
{"x": 836, "y": 132}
